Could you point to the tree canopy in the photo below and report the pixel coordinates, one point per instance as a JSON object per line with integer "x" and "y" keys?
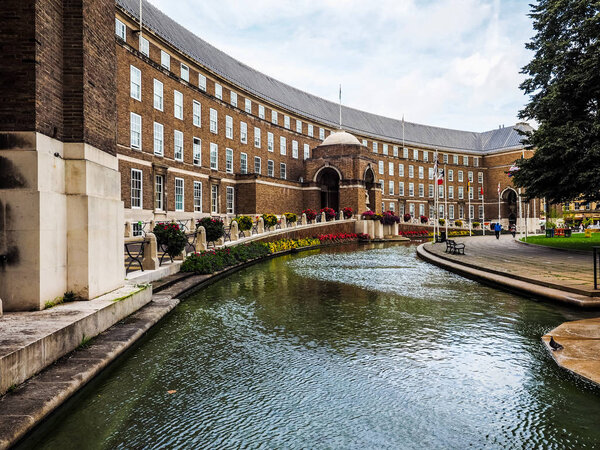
{"x": 563, "y": 85}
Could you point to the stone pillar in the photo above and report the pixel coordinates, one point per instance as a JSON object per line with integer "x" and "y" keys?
{"x": 261, "y": 225}
{"x": 235, "y": 234}
{"x": 323, "y": 217}
{"x": 283, "y": 223}
{"x": 377, "y": 229}
{"x": 303, "y": 221}
{"x": 150, "y": 260}
{"x": 128, "y": 229}
{"x": 200, "y": 239}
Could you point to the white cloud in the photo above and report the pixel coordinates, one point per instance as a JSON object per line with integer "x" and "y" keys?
{"x": 452, "y": 63}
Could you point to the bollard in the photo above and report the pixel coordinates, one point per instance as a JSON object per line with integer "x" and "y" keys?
{"x": 303, "y": 220}
{"x": 150, "y": 260}
{"x": 200, "y": 239}
{"x": 323, "y": 217}
{"x": 128, "y": 229}
{"x": 235, "y": 233}
{"x": 261, "y": 225}
{"x": 283, "y": 223}
{"x": 152, "y": 225}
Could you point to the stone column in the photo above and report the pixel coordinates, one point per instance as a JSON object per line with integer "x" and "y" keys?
{"x": 303, "y": 221}
{"x": 128, "y": 229}
{"x": 283, "y": 223}
{"x": 200, "y": 239}
{"x": 261, "y": 225}
{"x": 323, "y": 217}
{"x": 150, "y": 260}
{"x": 235, "y": 234}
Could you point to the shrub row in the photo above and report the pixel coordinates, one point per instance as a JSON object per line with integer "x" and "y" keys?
{"x": 214, "y": 260}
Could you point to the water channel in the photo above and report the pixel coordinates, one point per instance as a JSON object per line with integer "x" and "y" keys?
{"x": 349, "y": 347}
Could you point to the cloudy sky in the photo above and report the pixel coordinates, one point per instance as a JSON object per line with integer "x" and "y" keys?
{"x": 449, "y": 63}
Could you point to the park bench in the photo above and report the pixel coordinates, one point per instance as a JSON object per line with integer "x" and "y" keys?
{"x": 455, "y": 247}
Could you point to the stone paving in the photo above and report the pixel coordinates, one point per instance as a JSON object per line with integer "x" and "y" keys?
{"x": 561, "y": 269}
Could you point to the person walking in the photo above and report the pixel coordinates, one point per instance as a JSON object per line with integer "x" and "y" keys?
{"x": 497, "y": 229}
{"x": 513, "y": 229}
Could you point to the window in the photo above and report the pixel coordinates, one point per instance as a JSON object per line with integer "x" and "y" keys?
{"x": 455, "y": 159}
{"x": 460, "y": 176}
{"x": 416, "y": 154}
{"x": 270, "y": 168}
{"x": 382, "y": 186}
{"x": 197, "y": 152}
{"x": 257, "y": 137}
{"x": 421, "y": 190}
{"x": 298, "y": 126}
{"x": 214, "y": 156}
{"x": 178, "y": 105}
{"x": 135, "y": 76}
{"x": 197, "y": 112}
{"x": 431, "y": 191}
{"x": 391, "y": 187}
{"x": 441, "y": 211}
{"x": 411, "y": 209}
{"x": 391, "y": 169}
{"x": 228, "y": 160}
{"x": 229, "y": 195}
{"x": 306, "y": 151}
{"x": 480, "y": 212}
{"x": 178, "y": 146}
{"x": 421, "y": 172}
{"x": 400, "y": 170}
{"x": 385, "y": 149}
{"x": 466, "y": 160}
{"x": 158, "y": 95}
{"x": 401, "y": 188}
{"x": 310, "y": 130}
{"x": 375, "y": 147}
{"x": 136, "y": 188}
{"x": 471, "y": 192}
{"x": 392, "y": 206}
{"x": 274, "y": 117}
{"x": 321, "y": 133}
{"x": 165, "y": 60}
{"x": 159, "y": 139}
{"x": 218, "y": 91}
{"x": 286, "y": 122}
{"x": 202, "y": 82}
{"x": 120, "y": 29}
{"x": 421, "y": 209}
{"x": 213, "y": 121}
{"x": 233, "y": 98}
{"x": 295, "y": 149}
{"x": 475, "y": 161}
{"x": 159, "y": 193}
{"x": 470, "y": 176}
{"x": 411, "y": 171}
{"x": 480, "y": 177}
{"x": 450, "y": 175}
{"x": 270, "y": 141}
{"x": 214, "y": 198}
{"x": 471, "y": 212}
{"x": 257, "y": 165}
{"x": 136, "y": 131}
{"x": 461, "y": 213}
{"x": 381, "y": 171}
{"x": 185, "y": 72}
{"x": 430, "y": 173}
{"x": 425, "y": 156}
{"x": 248, "y": 106}
{"x": 282, "y": 145}
{"x": 480, "y": 193}
{"x": 461, "y": 193}
{"x": 411, "y": 189}
{"x": 440, "y": 191}
{"x": 261, "y": 112}
{"x": 405, "y": 153}
{"x": 179, "y": 194}
{"x": 395, "y": 150}
{"x": 243, "y": 132}
{"x": 243, "y": 163}
{"x": 450, "y": 191}
{"x": 445, "y": 158}
{"x": 451, "y": 212}
{"x": 282, "y": 171}
{"x": 364, "y": 142}
{"x": 197, "y": 196}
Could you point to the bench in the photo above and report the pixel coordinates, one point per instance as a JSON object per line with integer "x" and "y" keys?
{"x": 455, "y": 247}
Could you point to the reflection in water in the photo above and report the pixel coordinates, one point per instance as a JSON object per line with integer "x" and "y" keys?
{"x": 340, "y": 349}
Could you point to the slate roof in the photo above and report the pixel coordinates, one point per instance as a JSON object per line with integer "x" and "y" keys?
{"x": 312, "y": 106}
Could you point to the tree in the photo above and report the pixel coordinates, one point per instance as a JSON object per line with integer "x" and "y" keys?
{"x": 564, "y": 88}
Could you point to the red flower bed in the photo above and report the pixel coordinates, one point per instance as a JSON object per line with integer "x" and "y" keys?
{"x": 341, "y": 237}
{"x": 414, "y": 234}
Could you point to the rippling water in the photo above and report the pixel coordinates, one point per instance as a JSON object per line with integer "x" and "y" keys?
{"x": 343, "y": 348}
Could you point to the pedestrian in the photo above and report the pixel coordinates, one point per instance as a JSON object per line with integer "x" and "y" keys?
{"x": 497, "y": 229}
{"x": 513, "y": 229}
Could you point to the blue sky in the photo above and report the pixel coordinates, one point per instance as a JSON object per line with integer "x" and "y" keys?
{"x": 448, "y": 63}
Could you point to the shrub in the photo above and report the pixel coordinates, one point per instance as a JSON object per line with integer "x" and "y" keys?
{"x": 476, "y": 224}
{"x": 389, "y": 218}
{"x": 424, "y": 219}
{"x": 458, "y": 223}
{"x": 406, "y": 217}
{"x": 441, "y": 221}
{"x": 214, "y": 228}
{"x": 170, "y": 237}
{"x": 219, "y": 259}
{"x": 329, "y": 213}
{"x": 289, "y": 244}
{"x": 348, "y": 212}
{"x": 290, "y": 217}
{"x": 310, "y": 214}
{"x": 270, "y": 220}
{"x": 244, "y": 223}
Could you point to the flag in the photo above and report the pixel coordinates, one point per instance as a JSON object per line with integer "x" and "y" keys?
{"x": 440, "y": 179}
{"x": 498, "y": 188}
{"x": 512, "y": 170}
{"x": 481, "y": 190}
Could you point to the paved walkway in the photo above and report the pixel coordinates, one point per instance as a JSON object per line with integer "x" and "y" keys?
{"x": 572, "y": 272}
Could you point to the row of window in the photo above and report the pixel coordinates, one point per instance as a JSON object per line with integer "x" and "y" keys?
{"x": 421, "y": 172}
{"x": 412, "y": 209}
{"x": 165, "y": 60}
{"x": 159, "y": 194}
{"x": 421, "y": 190}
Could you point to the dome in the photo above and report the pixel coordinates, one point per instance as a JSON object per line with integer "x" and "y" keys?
{"x": 340, "y": 138}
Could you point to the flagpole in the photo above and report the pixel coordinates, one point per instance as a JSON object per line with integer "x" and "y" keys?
{"x": 483, "y": 211}
{"x": 140, "y": 17}
{"x": 435, "y": 196}
{"x": 469, "y": 195}
{"x": 340, "y": 106}
{"x": 520, "y": 214}
{"x": 498, "y": 202}
{"x": 445, "y": 201}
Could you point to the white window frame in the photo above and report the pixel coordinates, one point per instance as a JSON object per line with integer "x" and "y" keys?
{"x": 460, "y": 176}
{"x": 202, "y": 82}
{"x": 248, "y": 106}
{"x": 159, "y": 139}
{"x": 229, "y": 127}
{"x": 165, "y": 60}
{"x": 384, "y": 149}
{"x": 395, "y": 151}
{"x": 261, "y": 112}
{"x": 233, "y": 99}
{"x": 197, "y": 151}
{"x": 295, "y": 149}
{"x": 283, "y": 171}
{"x": 306, "y": 151}
{"x": 391, "y": 169}
{"x": 411, "y": 171}
{"x": 461, "y": 193}
{"x": 214, "y": 198}
{"x": 465, "y": 160}
{"x": 282, "y": 145}
{"x": 257, "y": 165}
{"x": 214, "y": 156}
{"x": 198, "y": 196}
{"x": 416, "y": 154}
{"x": 243, "y": 163}
{"x": 257, "y": 142}
{"x": 135, "y": 131}
{"x": 321, "y": 133}
{"x": 401, "y": 188}
{"x": 380, "y": 168}
{"x": 178, "y": 105}
{"x": 159, "y": 193}
{"x": 270, "y": 141}
{"x": 218, "y": 91}
{"x": 120, "y": 29}
{"x": 298, "y": 126}
{"x": 137, "y": 187}
{"x": 421, "y": 172}
{"x": 229, "y": 160}
{"x": 185, "y": 72}
{"x": 391, "y": 187}
{"x": 197, "y": 113}
{"x": 455, "y": 160}
{"x": 450, "y": 175}
{"x": 158, "y": 95}
{"x": 404, "y": 152}
{"x": 450, "y": 192}
{"x": 270, "y": 168}
{"x": 177, "y": 145}
{"x": 230, "y": 199}
{"x": 400, "y": 170}
{"x": 411, "y": 189}
{"x": 286, "y": 122}
{"x": 375, "y": 147}
{"x": 311, "y": 130}
{"x": 135, "y": 83}
{"x": 179, "y": 192}
{"x": 274, "y": 117}
{"x": 480, "y": 177}
{"x": 214, "y": 127}
{"x": 243, "y": 132}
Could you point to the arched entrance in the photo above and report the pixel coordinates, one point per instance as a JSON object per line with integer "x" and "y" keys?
{"x": 370, "y": 187}
{"x": 510, "y": 199}
{"x": 328, "y": 180}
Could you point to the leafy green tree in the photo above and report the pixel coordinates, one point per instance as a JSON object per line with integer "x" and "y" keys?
{"x": 564, "y": 88}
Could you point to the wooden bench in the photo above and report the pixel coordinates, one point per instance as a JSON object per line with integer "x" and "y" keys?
{"x": 455, "y": 247}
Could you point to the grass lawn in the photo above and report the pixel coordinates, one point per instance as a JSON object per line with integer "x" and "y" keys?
{"x": 576, "y": 242}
